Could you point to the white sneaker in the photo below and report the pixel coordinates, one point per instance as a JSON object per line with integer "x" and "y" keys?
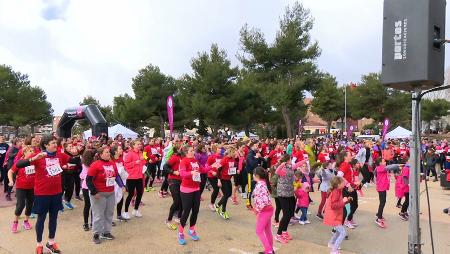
{"x": 136, "y": 213}
{"x": 212, "y": 208}
{"x": 301, "y": 222}
{"x": 126, "y": 216}
{"x": 244, "y": 195}
{"x": 349, "y": 225}
{"x": 307, "y": 222}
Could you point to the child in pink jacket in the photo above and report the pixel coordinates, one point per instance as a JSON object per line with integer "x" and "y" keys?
{"x": 334, "y": 213}
{"x": 383, "y": 185}
{"x": 301, "y": 193}
{"x": 263, "y": 209}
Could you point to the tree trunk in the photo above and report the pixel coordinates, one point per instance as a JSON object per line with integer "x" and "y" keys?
{"x": 16, "y": 131}
{"x": 287, "y": 121}
{"x": 161, "y": 127}
{"x": 247, "y": 130}
{"x": 329, "y": 127}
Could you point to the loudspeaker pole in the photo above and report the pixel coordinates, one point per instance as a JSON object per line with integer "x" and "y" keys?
{"x": 414, "y": 233}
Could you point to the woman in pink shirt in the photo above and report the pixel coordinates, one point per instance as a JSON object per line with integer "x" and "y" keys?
{"x": 383, "y": 185}
{"x": 134, "y": 163}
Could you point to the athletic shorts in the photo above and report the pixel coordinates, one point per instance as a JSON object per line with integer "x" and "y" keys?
{"x": 47, "y": 203}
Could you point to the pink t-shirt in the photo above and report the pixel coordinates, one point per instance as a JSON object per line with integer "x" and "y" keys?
{"x": 382, "y": 179}
{"x": 405, "y": 173}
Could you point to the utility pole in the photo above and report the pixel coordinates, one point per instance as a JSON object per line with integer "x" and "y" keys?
{"x": 414, "y": 231}
{"x": 345, "y": 108}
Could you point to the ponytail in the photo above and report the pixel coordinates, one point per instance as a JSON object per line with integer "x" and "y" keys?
{"x": 264, "y": 175}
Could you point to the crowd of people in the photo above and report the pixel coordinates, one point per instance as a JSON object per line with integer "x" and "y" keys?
{"x": 273, "y": 176}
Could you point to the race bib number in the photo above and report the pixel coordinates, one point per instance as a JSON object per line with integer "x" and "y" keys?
{"x": 30, "y": 170}
{"x": 71, "y": 165}
{"x": 52, "y": 166}
{"x": 195, "y": 166}
{"x": 110, "y": 181}
{"x": 232, "y": 171}
{"x": 196, "y": 177}
{"x": 154, "y": 151}
{"x": 3, "y": 151}
{"x": 327, "y": 158}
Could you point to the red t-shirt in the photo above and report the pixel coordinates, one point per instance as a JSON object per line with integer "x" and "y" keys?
{"x": 24, "y": 177}
{"x": 323, "y": 157}
{"x": 228, "y": 168}
{"x": 104, "y": 174}
{"x": 47, "y": 179}
{"x": 152, "y": 151}
{"x": 275, "y": 156}
{"x": 299, "y": 155}
{"x": 346, "y": 168}
{"x": 186, "y": 166}
{"x": 211, "y": 160}
{"x": 174, "y": 163}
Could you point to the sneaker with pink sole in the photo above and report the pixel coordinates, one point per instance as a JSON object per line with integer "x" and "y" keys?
{"x": 14, "y": 226}
{"x": 26, "y": 225}
{"x": 280, "y": 238}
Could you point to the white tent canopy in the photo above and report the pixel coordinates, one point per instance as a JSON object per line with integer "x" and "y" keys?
{"x": 113, "y": 131}
{"x": 399, "y": 132}
{"x": 242, "y": 134}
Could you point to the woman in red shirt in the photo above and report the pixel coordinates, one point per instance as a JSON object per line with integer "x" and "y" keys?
{"x": 227, "y": 169}
{"x": 213, "y": 163}
{"x": 172, "y": 170}
{"x": 48, "y": 165}
{"x": 24, "y": 189}
{"x": 134, "y": 163}
{"x": 190, "y": 171}
{"x": 117, "y": 157}
{"x": 101, "y": 177}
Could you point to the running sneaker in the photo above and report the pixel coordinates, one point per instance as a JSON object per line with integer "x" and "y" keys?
{"x": 14, "y": 226}
{"x": 68, "y": 205}
{"x": 107, "y": 236}
{"x": 8, "y": 197}
{"x": 212, "y": 208}
{"x": 86, "y": 227}
{"x": 147, "y": 189}
{"x": 380, "y": 223}
{"x": 170, "y": 225}
{"x": 280, "y": 239}
{"x": 382, "y": 218}
{"x": 113, "y": 224}
{"x": 349, "y": 225}
{"x": 301, "y": 222}
{"x": 160, "y": 194}
{"x": 354, "y": 223}
{"x": 40, "y": 250}
{"x": 181, "y": 240}
{"x": 217, "y": 208}
{"x": 53, "y": 248}
{"x": 121, "y": 218}
{"x": 136, "y": 213}
{"x": 176, "y": 220}
{"x": 193, "y": 235}
{"x": 276, "y": 224}
{"x": 152, "y": 189}
{"x": 307, "y": 222}
{"x": 96, "y": 239}
{"x": 126, "y": 216}
{"x": 403, "y": 216}
{"x": 226, "y": 216}
{"x": 319, "y": 216}
{"x": 286, "y": 236}
{"x": 26, "y": 225}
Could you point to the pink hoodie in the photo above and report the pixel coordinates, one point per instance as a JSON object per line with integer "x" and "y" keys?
{"x": 302, "y": 196}
{"x": 134, "y": 169}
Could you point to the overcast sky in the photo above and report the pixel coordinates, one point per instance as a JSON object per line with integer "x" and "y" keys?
{"x": 76, "y": 48}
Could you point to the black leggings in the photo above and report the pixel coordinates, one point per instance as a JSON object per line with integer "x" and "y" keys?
{"x": 367, "y": 175}
{"x": 287, "y": 206}
{"x": 353, "y": 203}
{"x": 52, "y": 223}
{"x": 159, "y": 170}
{"x": 165, "y": 184}
{"x": 77, "y": 185}
{"x": 406, "y": 203}
{"x": 25, "y": 198}
{"x": 68, "y": 184}
{"x": 119, "y": 207}
{"x": 226, "y": 191}
{"x": 277, "y": 210}
{"x": 203, "y": 177}
{"x": 134, "y": 185}
{"x": 151, "y": 168}
{"x": 176, "y": 197}
{"x": 190, "y": 202}
{"x": 382, "y": 197}
{"x": 215, "y": 192}
{"x": 87, "y": 206}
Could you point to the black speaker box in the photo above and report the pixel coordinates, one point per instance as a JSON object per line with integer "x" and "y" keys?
{"x": 411, "y": 57}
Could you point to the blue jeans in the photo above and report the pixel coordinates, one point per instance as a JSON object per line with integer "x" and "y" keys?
{"x": 304, "y": 211}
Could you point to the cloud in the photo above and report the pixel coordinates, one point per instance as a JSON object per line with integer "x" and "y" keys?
{"x": 77, "y": 48}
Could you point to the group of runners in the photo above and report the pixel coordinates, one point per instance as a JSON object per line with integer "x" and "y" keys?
{"x": 270, "y": 177}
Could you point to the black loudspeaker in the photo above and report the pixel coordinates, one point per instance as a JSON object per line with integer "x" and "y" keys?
{"x": 411, "y": 56}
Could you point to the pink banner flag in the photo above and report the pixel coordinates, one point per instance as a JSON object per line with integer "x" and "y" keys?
{"x": 385, "y": 127}
{"x": 170, "y": 113}
{"x": 350, "y": 131}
